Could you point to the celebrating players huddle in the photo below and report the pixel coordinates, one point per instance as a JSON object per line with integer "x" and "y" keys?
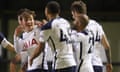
{"x": 71, "y": 49}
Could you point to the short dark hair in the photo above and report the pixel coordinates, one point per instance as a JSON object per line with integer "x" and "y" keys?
{"x": 53, "y": 7}
{"x": 79, "y": 6}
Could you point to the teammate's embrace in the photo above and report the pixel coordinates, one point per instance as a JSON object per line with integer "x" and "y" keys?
{"x": 56, "y": 33}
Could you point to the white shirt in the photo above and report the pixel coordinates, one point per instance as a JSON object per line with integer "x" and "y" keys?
{"x": 83, "y": 46}
{"x": 98, "y": 32}
{"x": 57, "y": 35}
{"x": 28, "y": 43}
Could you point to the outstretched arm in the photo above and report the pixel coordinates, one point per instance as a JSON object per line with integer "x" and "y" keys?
{"x": 108, "y": 53}
{"x": 5, "y": 43}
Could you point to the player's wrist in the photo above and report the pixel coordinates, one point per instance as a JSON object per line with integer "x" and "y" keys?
{"x": 108, "y": 64}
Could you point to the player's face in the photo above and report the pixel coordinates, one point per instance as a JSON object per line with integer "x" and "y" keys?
{"x": 28, "y": 23}
{"x": 76, "y": 23}
{"x": 46, "y": 13}
{"x": 73, "y": 14}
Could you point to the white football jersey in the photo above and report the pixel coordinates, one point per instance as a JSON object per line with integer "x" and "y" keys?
{"x": 98, "y": 32}
{"x": 48, "y": 56}
{"x": 83, "y": 46}
{"x": 56, "y": 32}
{"x": 29, "y": 43}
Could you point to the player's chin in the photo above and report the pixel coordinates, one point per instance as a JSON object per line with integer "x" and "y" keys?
{"x": 29, "y": 29}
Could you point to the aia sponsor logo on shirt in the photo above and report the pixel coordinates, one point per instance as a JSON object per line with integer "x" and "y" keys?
{"x": 29, "y": 43}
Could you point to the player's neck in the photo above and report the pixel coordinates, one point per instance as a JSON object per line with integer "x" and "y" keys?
{"x": 53, "y": 17}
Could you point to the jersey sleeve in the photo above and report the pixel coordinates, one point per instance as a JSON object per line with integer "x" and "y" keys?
{"x": 45, "y": 32}
{"x": 44, "y": 35}
{"x": 101, "y": 29}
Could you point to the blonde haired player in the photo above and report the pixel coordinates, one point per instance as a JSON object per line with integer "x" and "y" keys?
{"x": 79, "y": 8}
{"x": 83, "y": 42}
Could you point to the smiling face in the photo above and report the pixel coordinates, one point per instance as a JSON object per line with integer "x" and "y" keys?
{"x": 76, "y": 23}
{"x": 27, "y": 21}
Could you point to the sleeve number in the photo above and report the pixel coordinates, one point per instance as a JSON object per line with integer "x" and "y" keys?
{"x": 63, "y": 37}
{"x": 97, "y": 37}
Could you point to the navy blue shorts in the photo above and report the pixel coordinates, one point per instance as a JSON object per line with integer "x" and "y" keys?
{"x": 98, "y": 68}
{"x": 69, "y": 69}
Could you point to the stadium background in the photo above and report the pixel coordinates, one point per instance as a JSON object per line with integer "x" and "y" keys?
{"x": 106, "y": 12}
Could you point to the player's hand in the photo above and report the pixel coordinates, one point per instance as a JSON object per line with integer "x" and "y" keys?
{"x": 39, "y": 23}
{"x": 1, "y": 37}
{"x": 19, "y": 30}
{"x": 44, "y": 21}
{"x": 109, "y": 67}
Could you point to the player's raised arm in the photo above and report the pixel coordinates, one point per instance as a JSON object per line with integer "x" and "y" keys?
{"x": 5, "y": 43}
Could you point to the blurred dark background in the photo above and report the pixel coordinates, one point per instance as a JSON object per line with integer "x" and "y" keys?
{"x": 106, "y": 12}
{"x": 102, "y": 8}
